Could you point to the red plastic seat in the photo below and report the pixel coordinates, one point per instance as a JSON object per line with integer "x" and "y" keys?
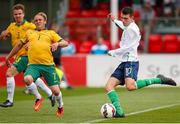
{"x": 77, "y": 45}
{"x": 87, "y": 14}
{"x": 85, "y": 47}
{"x": 74, "y": 4}
{"x": 170, "y": 37}
{"x": 101, "y": 13}
{"x": 71, "y": 22}
{"x": 171, "y": 44}
{"x": 72, "y": 14}
{"x": 137, "y": 16}
{"x": 104, "y": 6}
{"x": 155, "y": 43}
{"x": 86, "y": 22}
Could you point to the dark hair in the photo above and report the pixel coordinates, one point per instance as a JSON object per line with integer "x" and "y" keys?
{"x": 127, "y": 10}
{"x": 19, "y": 6}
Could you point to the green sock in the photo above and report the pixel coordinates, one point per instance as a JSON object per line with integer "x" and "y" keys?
{"x": 115, "y": 101}
{"x": 147, "y": 82}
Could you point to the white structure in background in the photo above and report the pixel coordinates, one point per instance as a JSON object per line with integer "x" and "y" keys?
{"x": 114, "y": 29}
{"x": 99, "y": 68}
{"x": 61, "y": 13}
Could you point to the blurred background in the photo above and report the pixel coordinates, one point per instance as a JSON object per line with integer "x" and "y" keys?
{"x": 84, "y": 24}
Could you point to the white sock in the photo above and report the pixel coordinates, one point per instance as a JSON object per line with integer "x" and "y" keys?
{"x": 33, "y": 89}
{"x": 10, "y": 88}
{"x": 59, "y": 100}
{"x": 40, "y": 83}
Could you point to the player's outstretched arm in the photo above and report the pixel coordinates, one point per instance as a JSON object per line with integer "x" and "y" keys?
{"x": 117, "y": 22}
{"x": 62, "y": 43}
{"x": 15, "y": 49}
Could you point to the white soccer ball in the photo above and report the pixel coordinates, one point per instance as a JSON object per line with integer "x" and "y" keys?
{"x": 108, "y": 110}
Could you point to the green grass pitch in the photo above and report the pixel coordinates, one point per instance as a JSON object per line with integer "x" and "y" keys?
{"x": 82, "y": 105}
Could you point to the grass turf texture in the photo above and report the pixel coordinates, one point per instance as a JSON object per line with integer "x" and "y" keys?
{"x": 82, "y": 105}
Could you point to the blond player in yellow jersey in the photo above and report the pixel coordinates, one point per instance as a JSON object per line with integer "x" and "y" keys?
{"x": 17, "y": 31}
{"x": 41, "y": 44}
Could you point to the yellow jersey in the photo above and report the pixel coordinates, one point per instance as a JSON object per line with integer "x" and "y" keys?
{"x": 39, "y": 50}
{"x": 18, "y": 32}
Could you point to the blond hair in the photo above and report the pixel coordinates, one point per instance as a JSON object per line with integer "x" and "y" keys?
{"x": 43, "y": 15}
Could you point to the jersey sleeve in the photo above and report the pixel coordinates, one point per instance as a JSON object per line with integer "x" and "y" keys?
{"x": 31, "y": 26}
{"x": 55, "y": 37}
{"x": 131, "y": 36}
{"x": 119, "y": 24}
{"x": 9, "y": 27}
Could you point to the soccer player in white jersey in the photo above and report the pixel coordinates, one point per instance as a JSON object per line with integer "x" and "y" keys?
{"x": 127, "y": 71}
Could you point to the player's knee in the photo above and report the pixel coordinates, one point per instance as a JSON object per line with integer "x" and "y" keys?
{"x": 130, "y": 84}
{"x": 28, "y": 79}
{"x": 9, "y": 73}
{"x": 130, "y": 87}
{"x": 56, "y": 92}
{"x": 108, "y": 87}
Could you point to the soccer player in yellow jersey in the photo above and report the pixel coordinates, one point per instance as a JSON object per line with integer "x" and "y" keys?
{"x": 17, "y": 31}
{"x": 41, "y": 44}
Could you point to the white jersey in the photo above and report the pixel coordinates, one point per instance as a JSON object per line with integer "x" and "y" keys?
{"x": 129, "y": 42}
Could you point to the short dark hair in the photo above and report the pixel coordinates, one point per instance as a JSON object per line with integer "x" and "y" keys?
{"x": 19, "y": 6}
{"x": 127, "y": 10}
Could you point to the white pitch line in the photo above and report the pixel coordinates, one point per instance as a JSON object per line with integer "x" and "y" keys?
{"x": 138, "y": 112}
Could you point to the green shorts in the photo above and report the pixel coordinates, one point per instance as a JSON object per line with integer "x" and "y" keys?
{"x": 47, "y": 71}
{"x": 21, "y": 63}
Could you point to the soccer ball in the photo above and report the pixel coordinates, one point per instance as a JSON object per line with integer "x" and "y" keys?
{"x": 108, "y": 110}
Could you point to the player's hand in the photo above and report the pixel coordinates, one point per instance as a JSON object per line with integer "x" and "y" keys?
{"x": 54, "y": 46}
{"x": 111, "y": 53}
{"x": 111, "y": 17}
{"x": 5, "y": 34}
{"x": 26, "y": 46}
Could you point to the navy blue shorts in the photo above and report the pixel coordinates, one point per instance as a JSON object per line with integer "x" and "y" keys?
{"x": 126, "y": 69}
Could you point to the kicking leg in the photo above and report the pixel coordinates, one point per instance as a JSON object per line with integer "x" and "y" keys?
{"x": 160, "y": 79}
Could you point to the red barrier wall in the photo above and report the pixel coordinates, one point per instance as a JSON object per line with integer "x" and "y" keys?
{"x": 74, "y": 67}
{"x": 3, "y": 69}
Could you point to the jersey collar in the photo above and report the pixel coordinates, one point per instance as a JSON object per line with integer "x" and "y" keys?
{"x": 21, "y": 23}
{"x": 41, "y": 30}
